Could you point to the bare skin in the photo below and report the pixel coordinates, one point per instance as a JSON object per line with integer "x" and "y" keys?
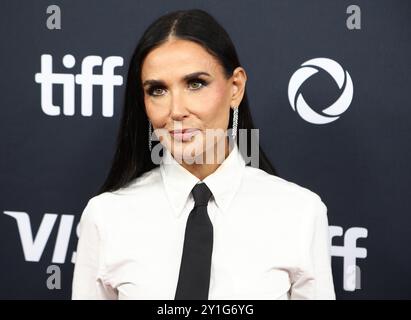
{"x": 201, "y": 101}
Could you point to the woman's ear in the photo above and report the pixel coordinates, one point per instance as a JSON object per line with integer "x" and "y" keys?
{"x": 239, "y": 79}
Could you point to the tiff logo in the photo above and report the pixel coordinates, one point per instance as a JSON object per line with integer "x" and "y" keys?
{"x": 349, "y": 252}
{"x": 86, "y": 79}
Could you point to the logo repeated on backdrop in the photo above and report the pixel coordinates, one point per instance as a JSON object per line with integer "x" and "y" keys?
{"x": 86, "y": 79}
{"x": 349, "y": 251}
{"x": 340, "y": 76}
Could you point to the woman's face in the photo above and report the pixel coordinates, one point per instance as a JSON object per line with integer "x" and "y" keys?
{"x": 185, "y": 88}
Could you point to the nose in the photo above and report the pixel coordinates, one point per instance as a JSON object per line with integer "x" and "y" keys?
{"x": 178, "y": 111}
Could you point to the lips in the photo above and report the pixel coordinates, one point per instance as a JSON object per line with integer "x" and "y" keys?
{"x": 184, "y": 134}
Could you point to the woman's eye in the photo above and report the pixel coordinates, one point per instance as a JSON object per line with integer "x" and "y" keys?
{"x": 155, "y": 91}
{"x": 197, "y": 84}
{"x": 193, "y": 85}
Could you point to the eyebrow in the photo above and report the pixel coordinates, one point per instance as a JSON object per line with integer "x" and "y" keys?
{"x": 189, "y": 76}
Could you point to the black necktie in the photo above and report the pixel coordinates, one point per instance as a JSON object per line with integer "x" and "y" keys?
{"x": 194, "y": 277}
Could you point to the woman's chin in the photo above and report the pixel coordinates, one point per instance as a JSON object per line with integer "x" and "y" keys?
{"x": 187, "y": 150}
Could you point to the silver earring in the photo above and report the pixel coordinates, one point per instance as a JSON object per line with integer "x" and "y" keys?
{"x": 235, "y": 123}
{"x": 150, "y": 131}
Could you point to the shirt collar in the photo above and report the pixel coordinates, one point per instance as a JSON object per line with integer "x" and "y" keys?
{"x": 223, "y": 182}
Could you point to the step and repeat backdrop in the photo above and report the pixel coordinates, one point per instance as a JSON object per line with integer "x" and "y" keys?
{"x": 328, "y": 85}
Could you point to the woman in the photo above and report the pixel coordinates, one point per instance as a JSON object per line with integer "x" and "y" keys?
{"x": 167, "y": 224}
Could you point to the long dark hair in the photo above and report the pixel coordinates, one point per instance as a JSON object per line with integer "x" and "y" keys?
{"x": 132, "y": 157}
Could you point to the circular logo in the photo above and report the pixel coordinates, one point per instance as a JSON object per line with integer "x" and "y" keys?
{"x": 340, "y": 76}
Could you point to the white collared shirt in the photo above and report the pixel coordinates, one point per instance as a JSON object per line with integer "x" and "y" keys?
{"x": 271, "y": 236}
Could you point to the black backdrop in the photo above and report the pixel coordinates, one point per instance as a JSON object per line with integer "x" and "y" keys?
{"x": 359, "y": 164}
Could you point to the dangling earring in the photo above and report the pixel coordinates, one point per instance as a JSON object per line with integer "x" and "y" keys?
{"x": 150, "y": 131}
{"x": 235, "y": 123}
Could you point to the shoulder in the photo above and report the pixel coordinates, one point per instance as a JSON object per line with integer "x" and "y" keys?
{"x": 257, "y": 179}
{"x": 293, "y": 198}
{"x": 101, "y": 206}
{"x": 137, "y": 187}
